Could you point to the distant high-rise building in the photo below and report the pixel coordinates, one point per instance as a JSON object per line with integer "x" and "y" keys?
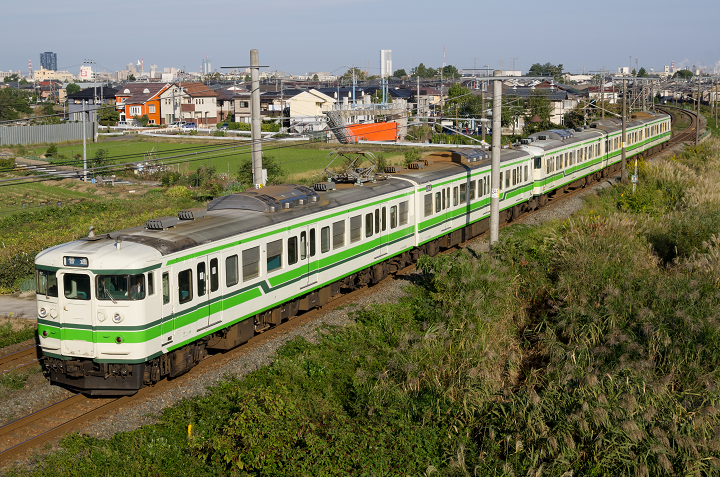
{"x": 385, "y": 63}
{"x": 206, "y": 66}
{"x": 48, "y": 60}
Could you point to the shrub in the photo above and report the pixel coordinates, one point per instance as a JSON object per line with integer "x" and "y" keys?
{"x": 51, "y": 151}
{"x": 179, "y": 191}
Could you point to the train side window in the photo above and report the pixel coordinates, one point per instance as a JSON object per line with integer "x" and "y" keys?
{"x": 325, "y": 239}
{"x": 428, "y": 205}
{"x": 368, "y": 225}
{"x": 404, "y": 213}
{"x": 383, "y": 219}
{"x": 487, "y": 185}
{"x": 355, "y": 228}
{"x": 231, "y": 270}
{"x": 393, "y": 216}
{"x": 151, "y": 283}
{"x": 185, "y": 289}
{"x": 501, "y": 180}
{"x": 538, "y": 162}
{"x": 338, "y": 234}
{"x": 438, "y": 202}
{"x": 274, "y": 255}
{"x": 507, "y": 181}
{"x": 166, "y": 288}
{"x": 558, "y": 162}
{"x": 250, "y": 264}
{"x": 312, "y": 242}
{"x": 377, "y": 221}
{"x": 472, "y": 190}
{"x": 445, "y": 198}
{"x": 303, "y": 245}
{"x": 526, "y": 173}
{"x": 292, "y": 250}
{"x": 201, "y": 279}
{"x": 514, "y": 176}
{"x": 455, "y": 196}
{"x": 214, "y": 275}
{"x": 463, "y": 193}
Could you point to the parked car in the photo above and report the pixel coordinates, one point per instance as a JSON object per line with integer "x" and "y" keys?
{"x": 177, "y": 124}
{"x": 224, "y": 127}
{"x": 129, "y": 124}
{"x": 189, "y": 125}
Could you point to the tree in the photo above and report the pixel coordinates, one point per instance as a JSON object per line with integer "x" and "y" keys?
{"x": 642, "y": 73}
{"x": 576, "y": 117}
{"x": 683, "y": 74}
{"x": 358, "y": 73}
{"x": 100, "y": 158}
{"x": 538, "y": 104}
{"x": 108, "y": 115}
{"x": 247, "y": 78}
{"x": 48, "y": 109}
{"x": 72, "y": 88}
{"x": 144, "y": 119}
{"x": 275, "y": 172}
{"x": 420, "y": 71}
{"x": 315, "y": 77}
{"x": 450, "y": 71}
{"x": 400, "y": 73}
{"x": 13, "y": 78}
{"x": 13, "y": 102}
{"x": 51, "y": 151}
{"x": 548, "y": 69}
{"x": 131, "y": 77}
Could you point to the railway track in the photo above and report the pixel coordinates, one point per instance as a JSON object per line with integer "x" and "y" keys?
{"x": 687, "y": 134}
{"x": 70, "y": 414}
{"x": 19, "y": 359}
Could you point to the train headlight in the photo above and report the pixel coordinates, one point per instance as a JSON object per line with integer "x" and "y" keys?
{"x": 117, "y": 318}
{"x": 42, "y": 312}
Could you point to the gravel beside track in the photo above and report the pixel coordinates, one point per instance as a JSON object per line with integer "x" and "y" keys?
{"x": 39, "y": 393}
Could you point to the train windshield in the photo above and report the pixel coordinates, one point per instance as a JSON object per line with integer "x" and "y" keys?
{"x": 120, "y": 287}
{"x": 46, "y": 283}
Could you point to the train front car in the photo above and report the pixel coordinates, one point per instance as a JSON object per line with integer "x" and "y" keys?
{"x": 98, "y": 302}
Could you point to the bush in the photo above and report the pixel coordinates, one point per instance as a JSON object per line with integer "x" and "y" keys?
{"x": 51, "y": 151}
{"x": 179, "y": 191}
{"x": 412, "y": 155}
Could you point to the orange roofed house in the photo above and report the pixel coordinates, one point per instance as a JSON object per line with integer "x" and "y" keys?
{"x": 138, "y": 99}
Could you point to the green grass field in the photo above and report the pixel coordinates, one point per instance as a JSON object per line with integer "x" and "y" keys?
{"x": 35, "y": 194}
{"x": 297, "y": 161}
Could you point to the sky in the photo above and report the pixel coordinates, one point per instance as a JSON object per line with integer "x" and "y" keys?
{"x": 300, "y": 36}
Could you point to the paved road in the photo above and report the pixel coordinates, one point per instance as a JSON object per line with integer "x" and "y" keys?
{"x": 20, "y": 307}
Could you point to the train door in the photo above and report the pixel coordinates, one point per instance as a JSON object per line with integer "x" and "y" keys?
{"x": 215, "y": 313}
{"x": 309, "y": 254}
{"x": 167, "y": 328}
{"x": 381, "y": 227}
{"x": 75, "y": 301}
{"x": 446, "y": 213}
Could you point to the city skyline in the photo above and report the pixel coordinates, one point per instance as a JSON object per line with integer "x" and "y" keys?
{"x": 466, "y": 34}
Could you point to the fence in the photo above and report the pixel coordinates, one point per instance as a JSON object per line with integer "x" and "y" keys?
{"x": 49, "y": 133}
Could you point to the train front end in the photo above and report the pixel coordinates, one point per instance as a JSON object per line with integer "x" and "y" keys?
{"x": 97, "y": 313}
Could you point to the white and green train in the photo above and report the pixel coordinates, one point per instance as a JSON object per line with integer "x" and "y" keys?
{"x": 122, "y": 310}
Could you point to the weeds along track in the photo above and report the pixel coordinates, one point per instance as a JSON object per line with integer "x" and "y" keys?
{"x": 68, "y": 415}
{"x": 20, "y": 359}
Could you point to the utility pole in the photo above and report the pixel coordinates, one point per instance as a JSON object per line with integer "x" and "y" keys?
{"x": 697, "y": 126}
{"x": 495, "y": 162}
{"x": 418, "y": 95}
{"x": 602, "y": 88}
{"x": 84, "y": 144}
{"x": 623, "y": 171}
{"x": 256, "y": 123}
{"x": 715, "y": 95}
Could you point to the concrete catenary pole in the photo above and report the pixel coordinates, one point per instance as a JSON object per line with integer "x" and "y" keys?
{"x": 84, "y": 144}
{"x": 697, "y": 125}
{"x": 623, "y": 171}
{"x": 495, "y": 164}
{"x": 715, "y": 95}
{"x": 255, "y": 123}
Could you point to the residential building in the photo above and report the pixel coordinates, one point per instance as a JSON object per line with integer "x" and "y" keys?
{"x": 309, "y": 103}
{"x": 5, "y": 74}
{"x": 45, "y": 75}
{"x": 48, "y": 60}
{"x": 139, "y": 99}
{"x": 189, "y": 102}
{"x": 201, "y": 105}
{"x": 75, "y": 107}
{"x": 611, "y": 93}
